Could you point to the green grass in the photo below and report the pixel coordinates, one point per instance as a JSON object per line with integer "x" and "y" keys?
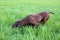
{"x": 13, "y": 10}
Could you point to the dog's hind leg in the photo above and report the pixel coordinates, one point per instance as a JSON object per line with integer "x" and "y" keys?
{"x": 44, "y": 20}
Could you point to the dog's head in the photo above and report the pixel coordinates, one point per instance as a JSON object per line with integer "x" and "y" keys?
{"x": 16, "y": 24}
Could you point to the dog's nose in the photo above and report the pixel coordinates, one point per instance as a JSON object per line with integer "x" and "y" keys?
{"x": 14, "y": 25}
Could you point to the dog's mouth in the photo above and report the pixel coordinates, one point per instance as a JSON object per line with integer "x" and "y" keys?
{"x": 14, "y": 25}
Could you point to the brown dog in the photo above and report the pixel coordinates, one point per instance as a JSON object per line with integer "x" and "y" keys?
{"x": 33, "y": 19}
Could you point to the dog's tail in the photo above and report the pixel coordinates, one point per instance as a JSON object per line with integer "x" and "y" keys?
{"x": 51, "y": 12}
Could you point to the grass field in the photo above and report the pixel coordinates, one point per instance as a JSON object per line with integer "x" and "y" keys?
{"x": 13, "y": 10}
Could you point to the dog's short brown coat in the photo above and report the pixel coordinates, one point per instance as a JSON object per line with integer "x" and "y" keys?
{"x": 33, "y": 19}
